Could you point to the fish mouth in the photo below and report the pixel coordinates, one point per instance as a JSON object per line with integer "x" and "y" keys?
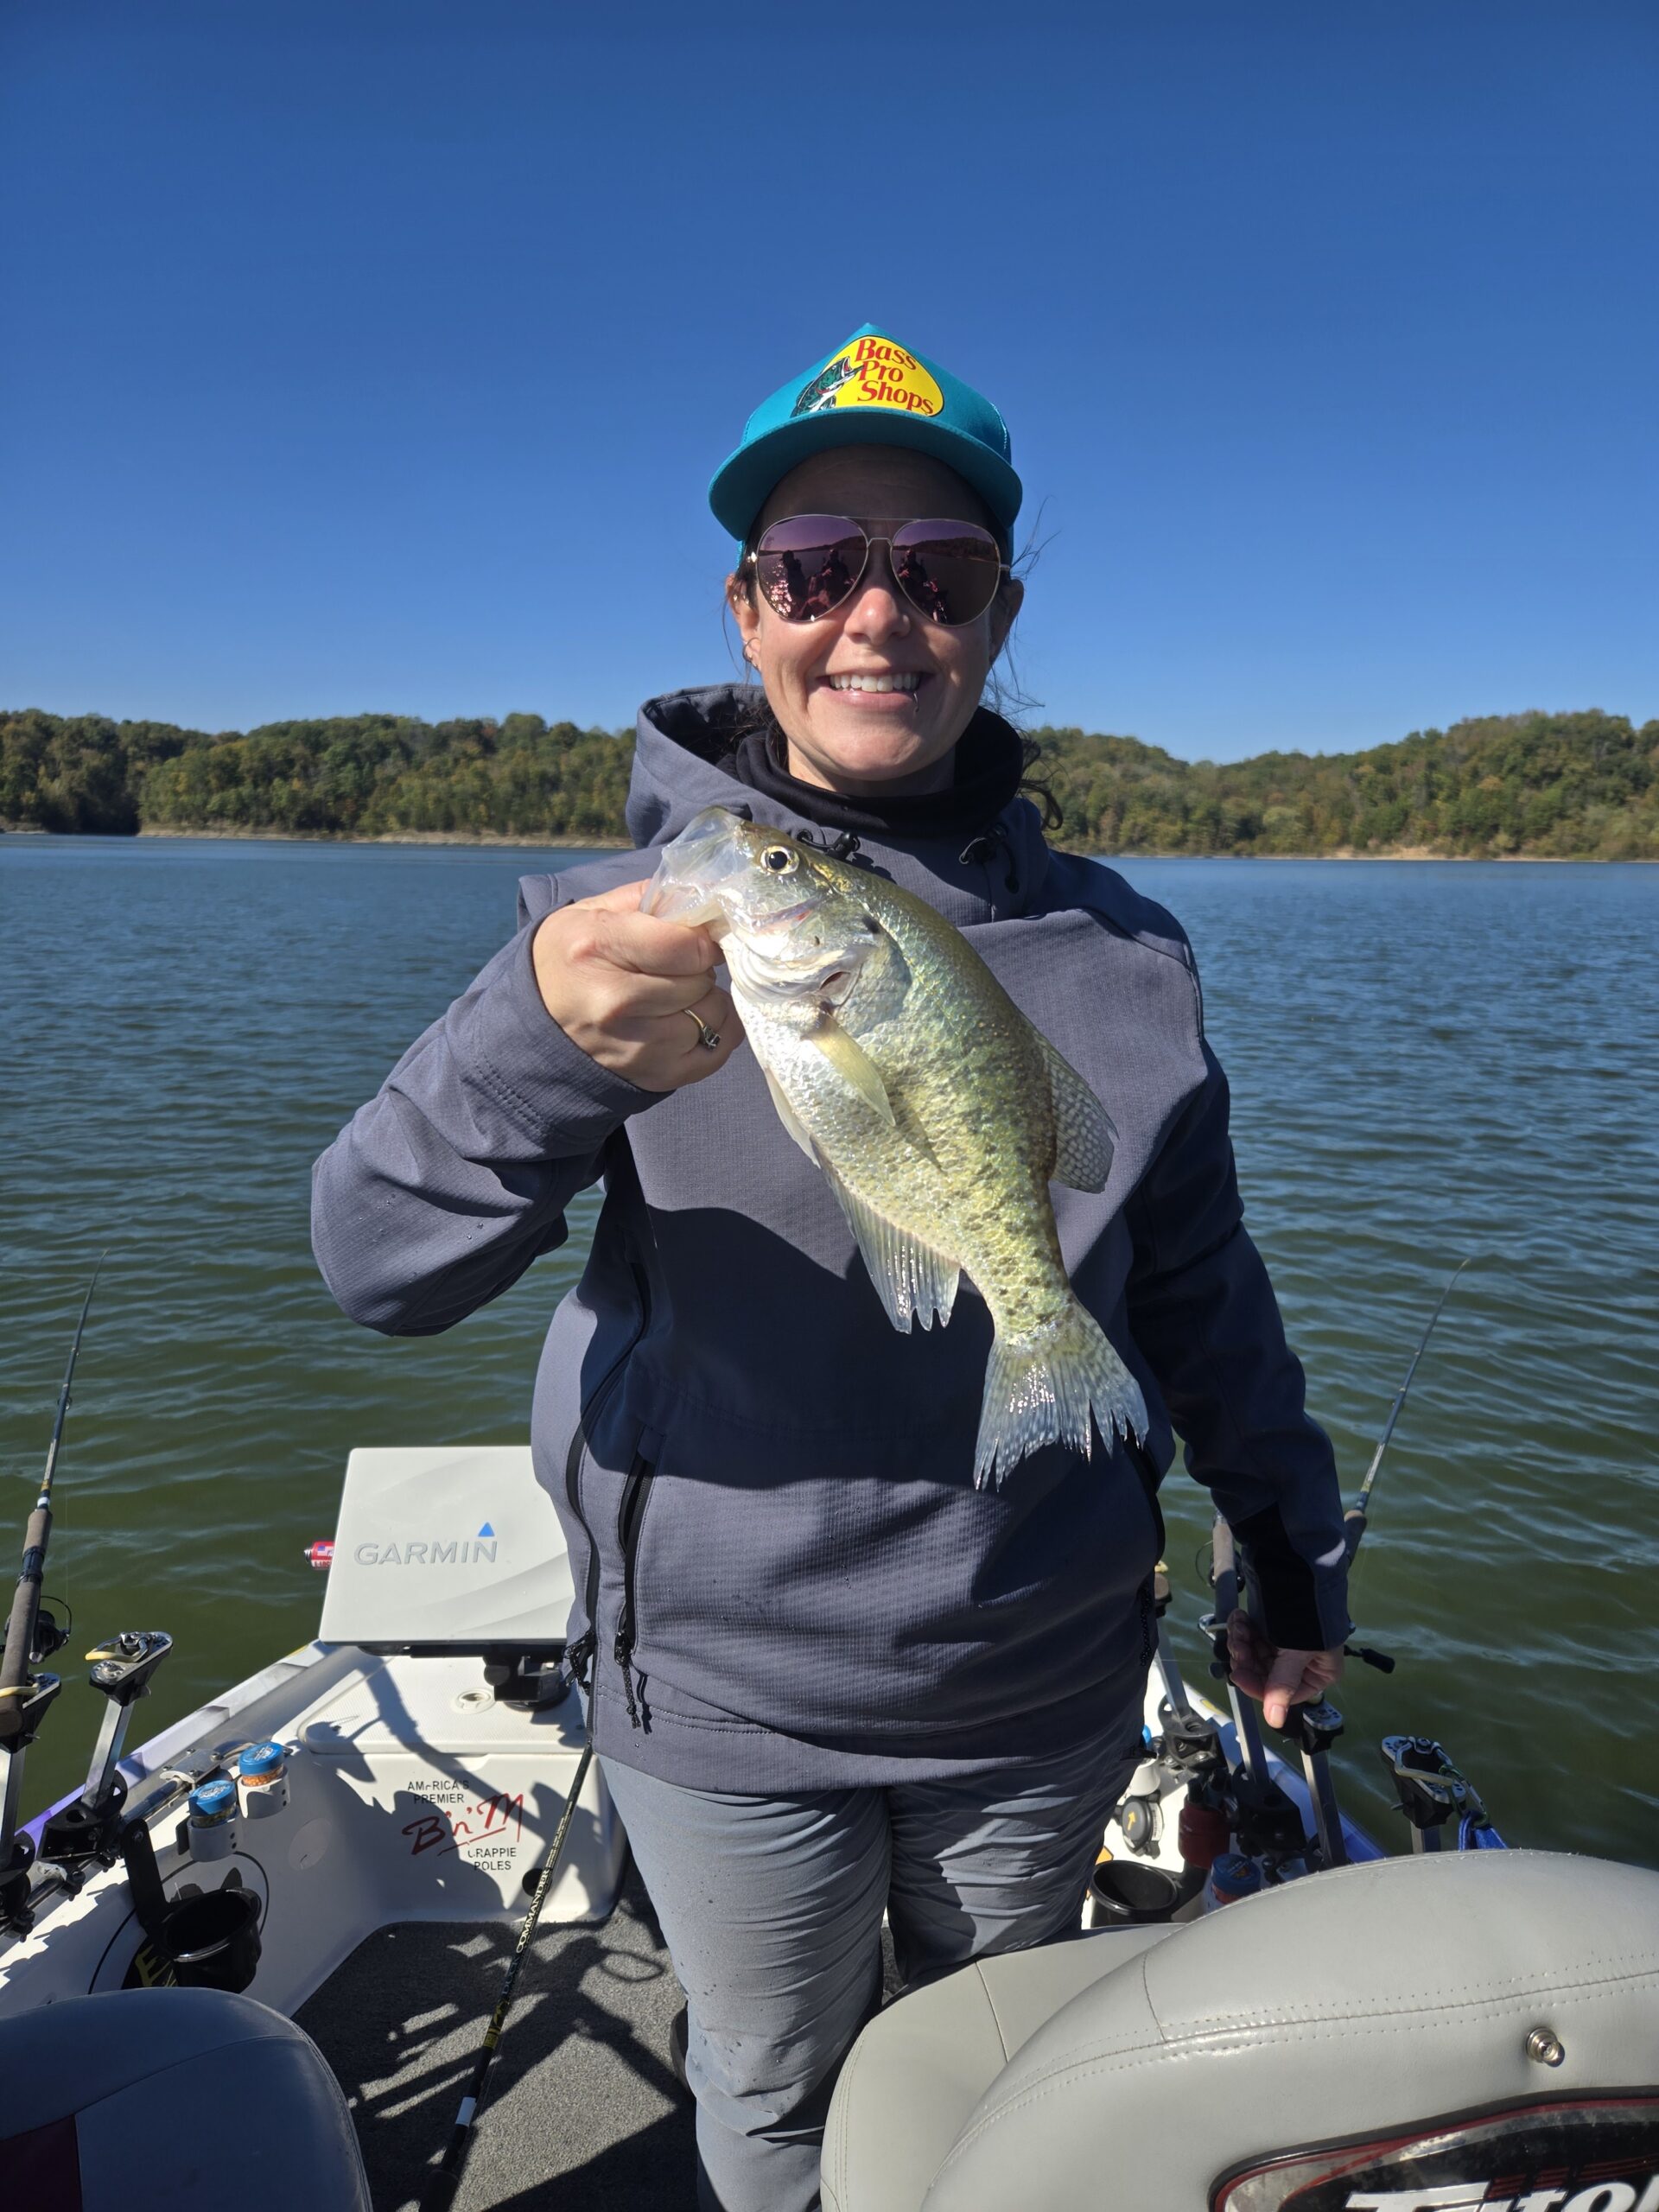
{"x": 694, "y": 869}
{"x": 672, "y": 901}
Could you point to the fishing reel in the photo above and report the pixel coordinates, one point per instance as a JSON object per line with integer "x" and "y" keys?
{"x": 50, "y": 1633}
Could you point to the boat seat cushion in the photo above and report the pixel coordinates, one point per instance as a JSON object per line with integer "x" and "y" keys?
{"x": 917, "y": 2072}
{"x": 1358, "y": 2006}
{"x": 169, "y": 2101}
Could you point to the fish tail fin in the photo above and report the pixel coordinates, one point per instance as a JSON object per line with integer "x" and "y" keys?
{"x": 1044, "y": 1387}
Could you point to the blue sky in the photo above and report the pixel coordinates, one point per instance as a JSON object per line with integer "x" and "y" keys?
{"x": 378, "y": 355}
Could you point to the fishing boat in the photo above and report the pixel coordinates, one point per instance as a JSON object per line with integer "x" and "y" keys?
{"x": 252, "y": 1962}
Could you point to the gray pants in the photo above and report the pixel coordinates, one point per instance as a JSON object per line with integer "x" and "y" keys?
{"x": 772, "y": 1910}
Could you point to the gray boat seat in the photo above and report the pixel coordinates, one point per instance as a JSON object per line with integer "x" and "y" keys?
{"x": 911, "y": 2081}
{"x": 1513, "y": 1996}
{"x": 171, "y": 2100}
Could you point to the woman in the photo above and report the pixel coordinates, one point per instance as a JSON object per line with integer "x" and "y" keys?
{"x": 826, "y": 1674}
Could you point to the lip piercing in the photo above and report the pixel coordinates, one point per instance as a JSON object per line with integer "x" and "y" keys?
{"x": 708, "y": 1038}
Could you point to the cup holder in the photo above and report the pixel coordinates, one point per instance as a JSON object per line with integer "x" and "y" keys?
{"x": 1129, "y": 1893}
{"x": 213, "y": 1941}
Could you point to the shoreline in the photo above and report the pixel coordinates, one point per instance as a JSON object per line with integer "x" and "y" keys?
{"x": 486, "y": 837}
{"x": 525, "y": 842}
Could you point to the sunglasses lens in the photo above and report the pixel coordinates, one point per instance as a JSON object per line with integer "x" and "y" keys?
{"x": 808, "y": 565}
{"x": 948, "y": 569}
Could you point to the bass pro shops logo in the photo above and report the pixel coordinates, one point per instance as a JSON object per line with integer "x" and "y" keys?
{"x": 1471, "y": 2196}
{"x": 871, "y": 373}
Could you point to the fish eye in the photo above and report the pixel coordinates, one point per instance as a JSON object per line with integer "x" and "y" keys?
{"x": 779, "y": 860}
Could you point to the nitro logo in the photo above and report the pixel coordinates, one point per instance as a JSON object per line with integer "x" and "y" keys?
{"x": 872, "y": 372}
{"x": 1588, "y": 2154}
{"x": 1471, "y": 2196}
{"x": 458, "y": 1551}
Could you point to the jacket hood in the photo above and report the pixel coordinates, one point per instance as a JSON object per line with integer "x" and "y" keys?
{"x": 682, "y": 762}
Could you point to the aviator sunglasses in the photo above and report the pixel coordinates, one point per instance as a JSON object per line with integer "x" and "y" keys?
{"x": 811, "y": 564}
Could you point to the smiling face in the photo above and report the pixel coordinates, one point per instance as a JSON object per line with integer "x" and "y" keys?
{"x": 843, "y": 736}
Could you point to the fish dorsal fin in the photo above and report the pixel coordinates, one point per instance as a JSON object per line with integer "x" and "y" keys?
{"x": 1083, "y": 1135}
{"x": 852, "y": 1064}
{"x": 910, "y": 1277}
{"x": 788, "y": 1116}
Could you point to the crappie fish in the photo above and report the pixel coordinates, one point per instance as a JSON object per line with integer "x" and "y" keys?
{"x": 902, "y": 1068}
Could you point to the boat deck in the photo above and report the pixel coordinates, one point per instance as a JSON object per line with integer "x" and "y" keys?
{"x": 583, "y": 2112}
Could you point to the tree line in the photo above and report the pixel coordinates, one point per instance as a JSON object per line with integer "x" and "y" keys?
{"x": 1582, "y": 786}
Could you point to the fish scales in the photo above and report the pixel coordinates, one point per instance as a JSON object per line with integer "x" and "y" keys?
{"x": 938, "y": 1112}
{"x": 969, "y": 1088}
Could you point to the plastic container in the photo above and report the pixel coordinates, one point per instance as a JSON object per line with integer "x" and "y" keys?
{"x": 262, "y": 1780}
{"x": 1203, "y": 1833}
{"x": 213, "y": 1820}
{"x": 1233, "y": 1876}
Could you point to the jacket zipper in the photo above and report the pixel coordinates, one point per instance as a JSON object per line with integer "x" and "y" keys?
{"x": 630, "y": 1519}
{"x": 1146, "y": 1597}
{"x": 580, "y": 1656}
{"x": 1147, "y": 1468}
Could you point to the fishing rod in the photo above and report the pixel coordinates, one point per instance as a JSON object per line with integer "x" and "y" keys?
{"x": 439, "y": 2191}
{"x": 32, "y": 1635}
{"x": 1313, "y": 1728}
{"x": 1356, "y": 1518}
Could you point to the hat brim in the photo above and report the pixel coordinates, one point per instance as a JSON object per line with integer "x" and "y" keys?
{"x": 739, "y": 490}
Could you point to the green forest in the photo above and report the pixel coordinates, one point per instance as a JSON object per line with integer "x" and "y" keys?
{"x": 1580, "y": 785}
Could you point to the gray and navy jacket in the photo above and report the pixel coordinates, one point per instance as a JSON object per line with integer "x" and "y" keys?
{"x": 785, "y": 1578}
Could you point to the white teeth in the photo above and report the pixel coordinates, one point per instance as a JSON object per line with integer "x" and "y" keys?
{"x": 875, "y": 682}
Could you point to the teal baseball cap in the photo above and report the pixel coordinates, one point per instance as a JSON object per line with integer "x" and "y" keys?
{"x": 870, "y": 392}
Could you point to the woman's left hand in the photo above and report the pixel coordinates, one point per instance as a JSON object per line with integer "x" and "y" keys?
{"x": 1278, "y": 1678}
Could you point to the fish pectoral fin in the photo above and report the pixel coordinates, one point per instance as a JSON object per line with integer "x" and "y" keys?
{"x": 789, "y": 1117}
{"x": 1084, "y": 1136}
{"x": 910, "y": 1278}
{"x": 852, "y": 1064}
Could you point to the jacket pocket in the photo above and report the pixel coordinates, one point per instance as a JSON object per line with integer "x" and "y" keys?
{"x": 630, "y": 1522}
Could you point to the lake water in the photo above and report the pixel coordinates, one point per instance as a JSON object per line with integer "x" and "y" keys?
{"x": 1427, "y": 1060}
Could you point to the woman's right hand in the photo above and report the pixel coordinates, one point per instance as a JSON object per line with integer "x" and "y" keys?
{"x": 624, "y": 985}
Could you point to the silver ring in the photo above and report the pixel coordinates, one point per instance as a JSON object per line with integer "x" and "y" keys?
{"x": 708, "y": 1038}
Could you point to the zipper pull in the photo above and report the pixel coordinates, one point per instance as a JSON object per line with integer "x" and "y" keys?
{"x": 623, "y": 1653}
{"x": 579, "y": 1657}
